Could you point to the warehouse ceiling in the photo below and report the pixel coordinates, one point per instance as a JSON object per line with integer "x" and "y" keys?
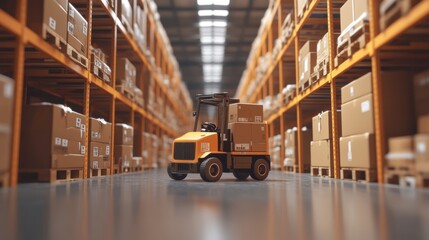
{"x": 211, "y": 39}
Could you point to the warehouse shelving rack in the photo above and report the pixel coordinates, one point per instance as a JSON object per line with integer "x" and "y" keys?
{"x": 322, "y": 16}
{"x": 42, "y": 72}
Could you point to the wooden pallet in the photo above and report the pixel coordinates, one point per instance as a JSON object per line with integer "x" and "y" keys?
{"x": 49, "y": 175}
{"x": 120, "y": 169}
{"x": 97, "y": 68}
{"x": 403, "y": 167}
{"x": 320, "y": 70}
{"x": 52, "y": 37}
{"x": 352, "y": 41}
{"x": 304, "y": 9}
{"x": 4, "y": 179}
{"x": 359, "y": 174}
{"x": 99, "y": 172}
{"x": 392, "y": 10}
{"x": 304, "y": 85}
{"x": 126, "y": 92}
{"x": 294, "y": 168}
{"x": 321, "y": 172}
{"x": 76, "y": 56}
{"x": 137, "y": 169}
{"x": 401, "y": 179}
{"x": 422, "y": 180}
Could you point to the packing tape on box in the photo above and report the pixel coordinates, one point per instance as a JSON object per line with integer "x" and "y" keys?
{"x": 319, "y": 120}
{"x": 349, "y": 151}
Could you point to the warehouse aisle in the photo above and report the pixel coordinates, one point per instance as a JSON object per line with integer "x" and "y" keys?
{"x": 151, "y": 206}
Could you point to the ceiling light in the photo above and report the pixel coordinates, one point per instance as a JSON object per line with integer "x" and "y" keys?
{"x": 221, "y": 2}
{"x": 212, "y": 23}
{"x": 218, "y": 13}
{"x": 205, "y": 2}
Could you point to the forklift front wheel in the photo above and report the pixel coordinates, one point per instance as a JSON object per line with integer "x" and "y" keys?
{"x": 175, "y": 176}
{"x": 260, "y": 170}
{"x": 211, "y": 169}
{"x": 241, "y": 174}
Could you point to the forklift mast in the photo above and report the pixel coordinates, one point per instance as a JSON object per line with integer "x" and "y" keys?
{"x": 221, "y": 101}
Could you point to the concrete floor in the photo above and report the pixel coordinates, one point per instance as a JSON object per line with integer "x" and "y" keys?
{"x": 151, "y": 206}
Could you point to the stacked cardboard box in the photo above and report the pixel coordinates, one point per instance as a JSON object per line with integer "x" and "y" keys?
{"x": 322, "y": 63}
{"x": 321, "y": 146}
{"x": 248, "y": 131}
{"x": 99, "y": 65}
{"x": 52, "y": 137}
{"x": 302, "y": 5}
{"x": 421, "y": 95}
{"x": 357, "y": 144}
{"x": 126, "y": 77}
{"x": 138, "y": 96}
{"x": 291, "y": 148}
{"x": 352, "y": 11}
{"x": 307, "y": 61}
{"x": 147, "y": 150}
{"x": 77, "y": 36}
{"x": 124, "y": 140}
{"x": 125, "y": 14}
{"x": 139, "y": 24}
{"x": 391, "y": 10}
{"x": 48, "y": 18}
{"x": 400, "y": 161}
{"x": 6, "y": 106}
{"x": 99, "y": 144}
{"x": 275, "y": 150}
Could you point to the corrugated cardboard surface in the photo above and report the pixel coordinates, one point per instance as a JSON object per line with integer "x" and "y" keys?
{"x": 99, "y": 155}
{"x": 421, "y": 93}
{"x": 100, "y": 131}
{"x": 358, "y": 151}
{"x": 401, "y": 144}
{"x": 422, "y": 152}
{"x": 245, "y": 112}
{"x": 123, "y": 155}
{"x": 322, "y": 125}
{"x": 306, "y": 65}
{"x": 321, "y": 153}
{"x": 52, "y": 13}
{"x": 346, "y": 14}
{"x": 248, "y": 136}
{"x": 77, "y": 31}
{"x": 291, "y": 147}
{"x": 125, "y": 70}
{"x": 423, "y": 124}
{"x": 124, "y": 134}
{"x": 358, "y": 88}
{"x": 51, "y": 136}
{"x": 6, "y": 100}
{"x": 357, "y": 116}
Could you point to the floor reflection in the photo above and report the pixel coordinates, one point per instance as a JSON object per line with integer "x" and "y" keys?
{"x": 150, "y": 206}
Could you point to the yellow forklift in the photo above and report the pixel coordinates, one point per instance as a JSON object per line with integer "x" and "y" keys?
{"x": 209, "y": 151}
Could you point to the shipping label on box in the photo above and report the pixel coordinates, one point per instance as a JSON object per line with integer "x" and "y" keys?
{"x": 358, "y": 151}
{"x": 357, "y": 116}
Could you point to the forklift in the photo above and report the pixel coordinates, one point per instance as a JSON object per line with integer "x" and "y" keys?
{"x": 209, "y": 151}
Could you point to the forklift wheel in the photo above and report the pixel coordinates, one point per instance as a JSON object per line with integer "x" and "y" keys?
{"x": 260, "y": 170}
{"x": 241, "y": 174}
{"x": 175, "y": 176}
{"x": 211, "y": 170}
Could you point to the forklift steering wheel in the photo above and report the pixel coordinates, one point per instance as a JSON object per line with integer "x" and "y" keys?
{"x": 208, "y": 127}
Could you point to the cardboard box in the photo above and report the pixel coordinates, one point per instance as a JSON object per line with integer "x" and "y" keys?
{"x": 421, "y": 93}
{"x": 346, "y": 14}
{"x": 6, "y": 100}
{"x": 99, "y": 155}
{"x": 77, "y": 31}
{"x": 291, "y": 147}
{"x": 52, "y": 136}
{"x": 422, "y": 152}
{"x": 125, "y": 13}
{"x": 300, "y": 6}
{"x": 358, "y": 151}
{"x": 358, "y": 88}
{"x": 357, "y": 116}
{"x": 323, "y": 48}
{"x": 423, "y": 124}
{"x": 126, "y": 71}
{"x": 123, "y": 155}
{"x": 401, "y": 144}
{"x": 351, "y": 11}
{"x": 100, "y": 131}
{"x": 248, "y": 136}
{"x": 321, "y": 153}
{"x": 124, "y": 134}
{"x": 307, "y": 60}
{"x": 322, "y": 125}
{"x": 245, "y": 112}
{"x": 50, "y": 15}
